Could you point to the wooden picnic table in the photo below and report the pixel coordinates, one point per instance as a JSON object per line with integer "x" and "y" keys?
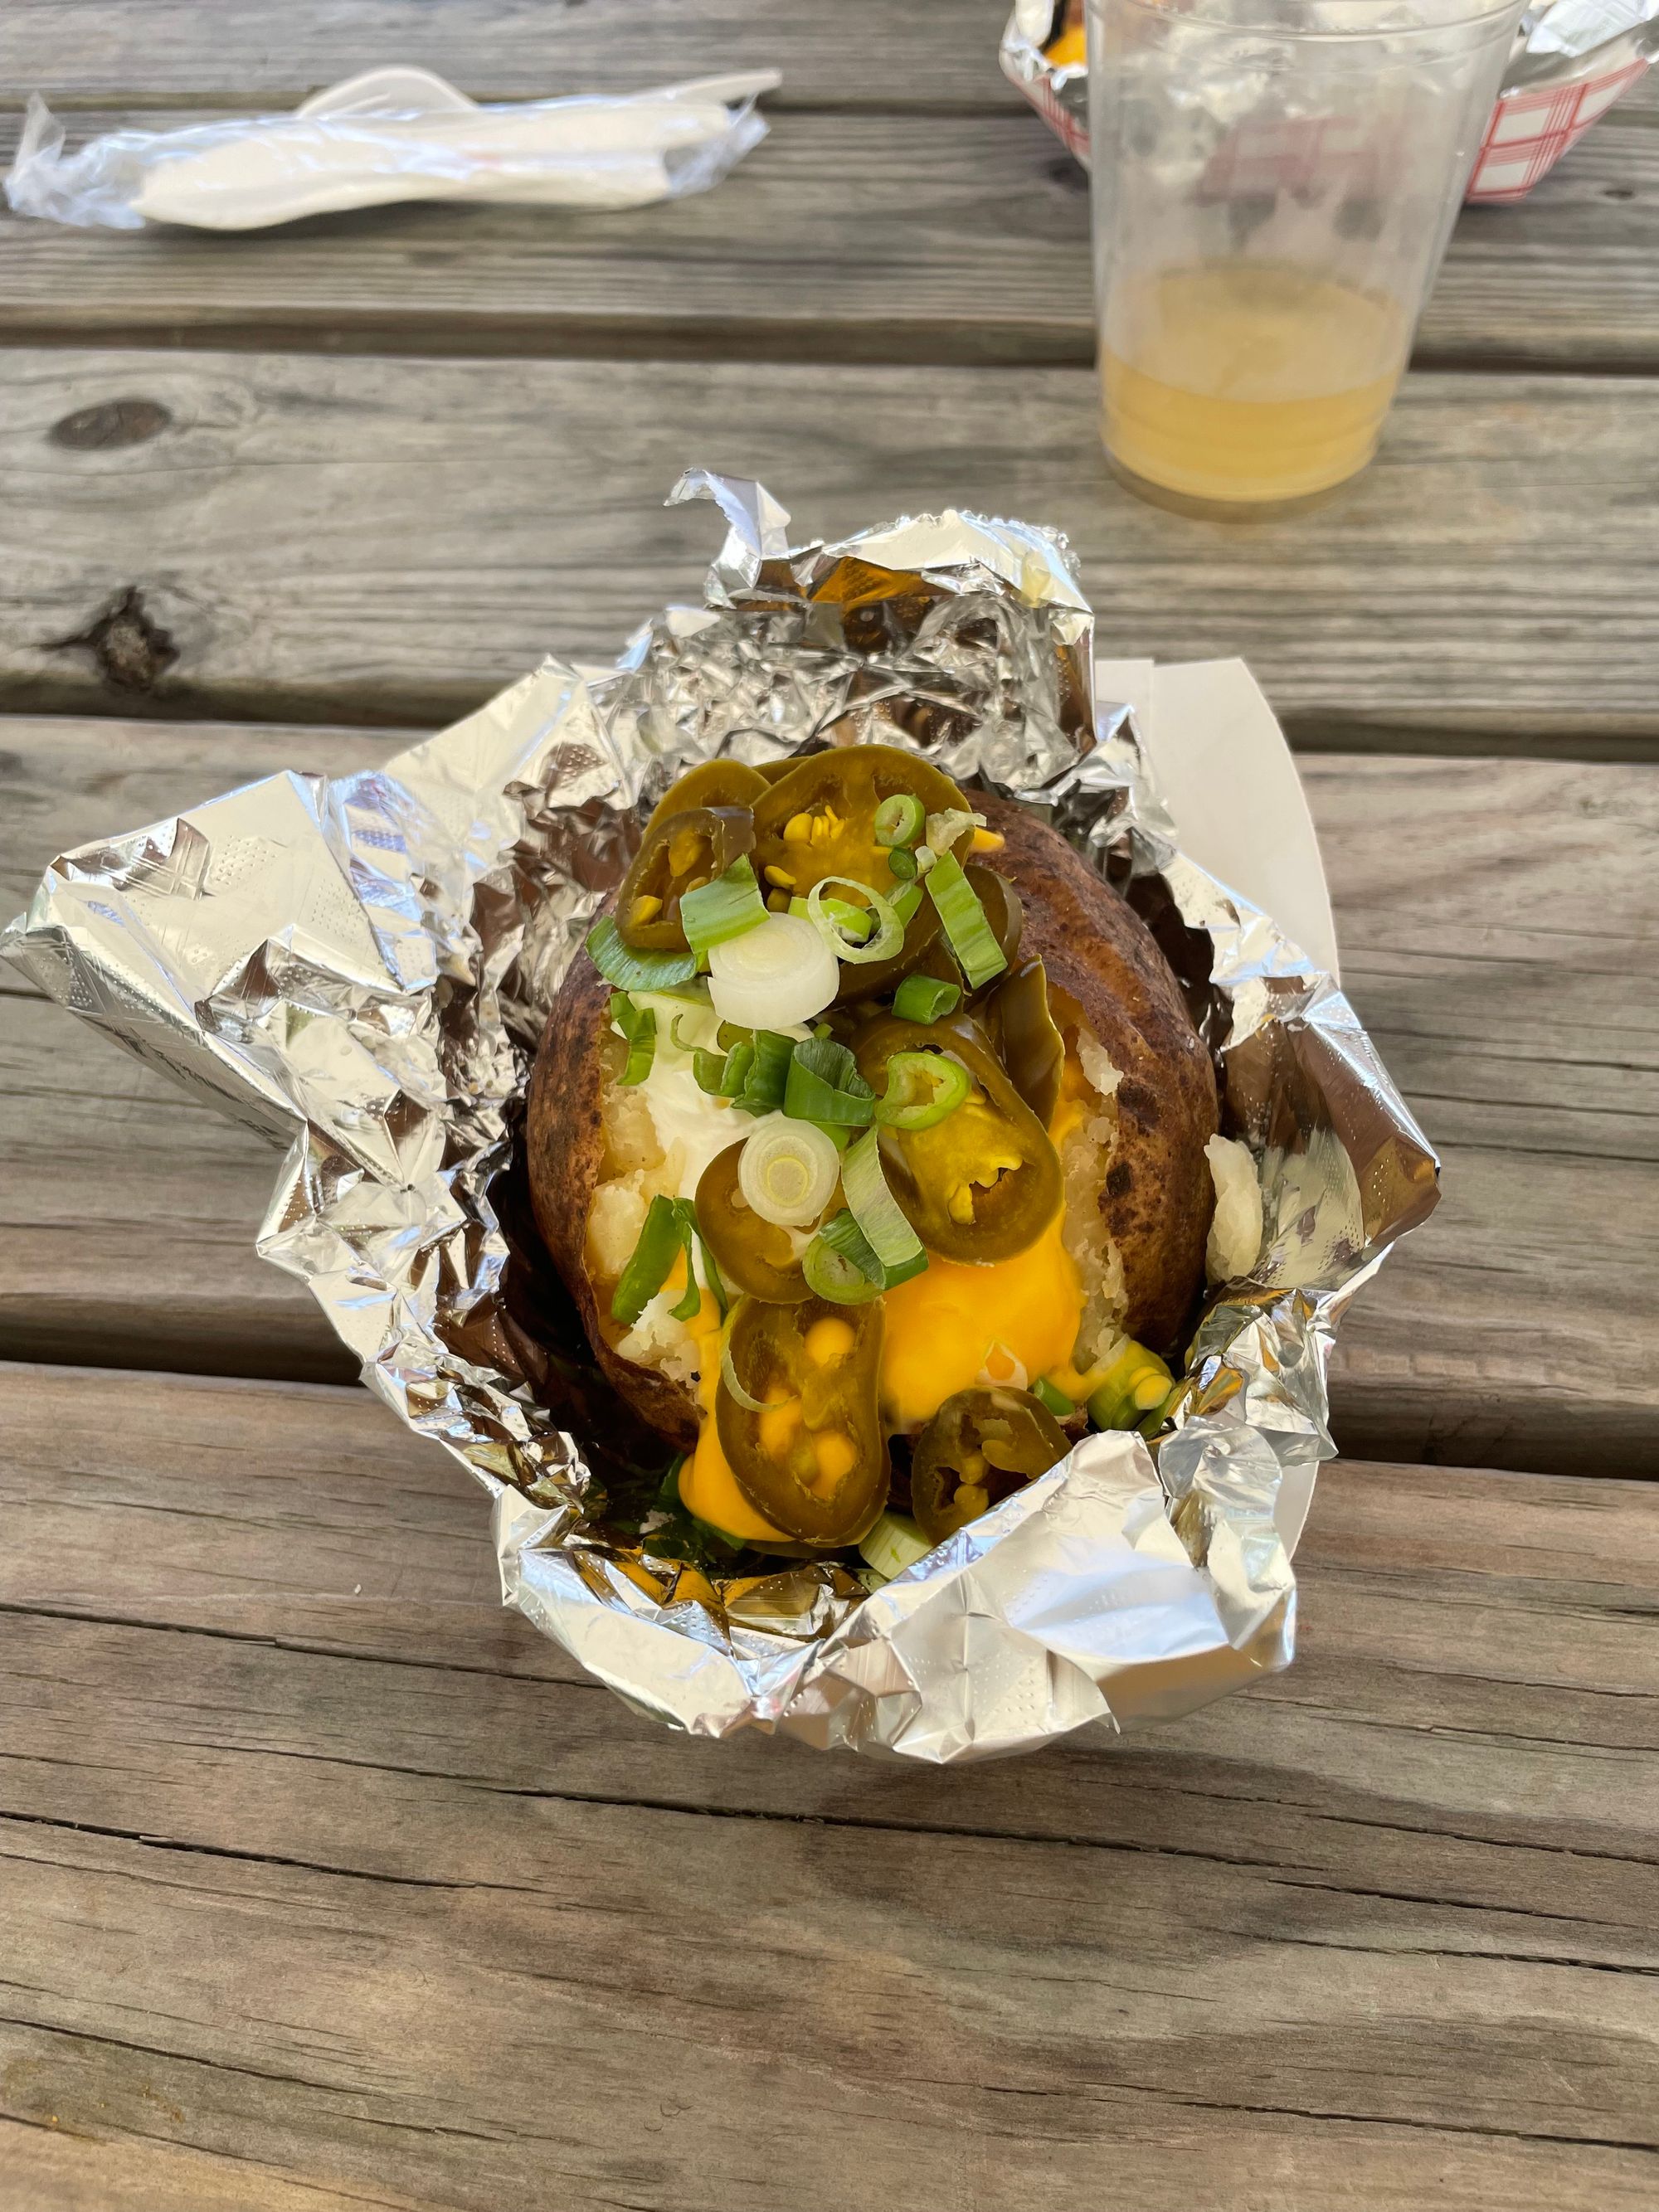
{"x": 326, "y": 1883}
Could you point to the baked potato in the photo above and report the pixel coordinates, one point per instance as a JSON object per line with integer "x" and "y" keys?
{"x": 807, "y": 1221}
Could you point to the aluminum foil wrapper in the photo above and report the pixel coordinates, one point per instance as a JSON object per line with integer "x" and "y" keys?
{"x": 1559, "y": 45}
{"x": 360, "y": 968}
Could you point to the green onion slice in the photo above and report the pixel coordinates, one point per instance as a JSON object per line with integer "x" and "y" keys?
{"x": 963, "y": 917}
{"x": 693, "y": 994}
{"x": 899, "y": 819}
{"x": 766, "y": 1072}
{"x": 902, "y": 863}
{"x": 648, "y": 1270}
{"x": 712, "y": 1274}
{"x": 629, "y": 970}
{"x": 1056, "y": 1401}
{"x": 922, "y": 1088}
{"x": 1155, "y": 1420}
{"x": 739, "y": 1062}
{"x": 875, "y": 1209}
{"x": 639, "y": 1027}
{"x": 689, "y": 1306}
{"x": 753, "y": 1072}
{"x": 904, "y": 903}
{"x": 889, "y": 935}
{"x": 894, "y": 1544}
{"x": 856, "y": 922}
{"x": 829, "y": 1274}
{"x": 670, "y": 1228}
{"x": 729, "y": 907}
{"x": 825, "y": 1085}
{"x": 709, "y": 1069}
{"x": 685, "y": 1220}
{"x": 842, "y": 1235}
{"x": 1137, "y": 1384}
{"x": 924, "y": 999}
{"x": 789, "y": 1171}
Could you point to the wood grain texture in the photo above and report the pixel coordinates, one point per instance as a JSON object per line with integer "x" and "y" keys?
{"x": 1498, "y": 921}
{"x": 394, "y": 1909}
{"x": 384, "y": 540}
{"x": 1499, "y": 928}
{"x": 327, "y": 1882}
{"x": 846, "y": 236}
{"x": 1579, "y": 250}
{"x": 850, "y": 236}
{"x": 52, "y": 2171}
{"x": 238, "y": 54}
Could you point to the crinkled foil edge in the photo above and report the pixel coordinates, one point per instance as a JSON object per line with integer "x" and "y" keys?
{"x": 360, "y": 967}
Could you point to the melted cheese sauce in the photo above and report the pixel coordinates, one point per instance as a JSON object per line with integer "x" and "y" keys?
{"x": 708, "y": 1488}
{"x": 943, "y": 1327}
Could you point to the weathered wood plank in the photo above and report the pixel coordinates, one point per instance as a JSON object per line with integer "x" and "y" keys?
{"x": 384, "y": 540}
{"x": 54, "y": 2171}
{"x": 1385, "y": 1925}
{"x": 845, "y": 236}
{"x": 128, "y": 1214}
{"x": 169, "y": 1522}
{"x": 972, "y": 243}
{"x": 1496, "y": 924}
{"x": 307, "y": 1519}
{"x": 101, "y": 52}
{"x": 1490, "y": 915}
{"x": 848, "y": 236}
{"x": 1566, "y": 276}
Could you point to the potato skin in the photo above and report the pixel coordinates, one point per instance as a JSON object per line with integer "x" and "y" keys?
{"x": 1158, "y": 1197}
{"x": 564, "y": 1143}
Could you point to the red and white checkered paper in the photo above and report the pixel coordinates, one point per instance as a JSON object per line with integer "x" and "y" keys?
{"x": 1529, "y": 133}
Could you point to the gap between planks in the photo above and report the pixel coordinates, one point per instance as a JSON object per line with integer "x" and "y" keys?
{"x": 971, "y": 246}
{"x": 1434, "y": 1605}
{"x": 360, "y": 541}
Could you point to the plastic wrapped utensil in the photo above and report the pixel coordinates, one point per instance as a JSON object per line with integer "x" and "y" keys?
{"x": 394, "y": 134}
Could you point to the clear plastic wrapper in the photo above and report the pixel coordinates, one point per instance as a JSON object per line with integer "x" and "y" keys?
{"x": 394, "y": 134}
{"x": 360, "y": 967}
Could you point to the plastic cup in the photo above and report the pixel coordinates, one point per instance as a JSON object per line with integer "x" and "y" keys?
{"x": 1274, "y": 182}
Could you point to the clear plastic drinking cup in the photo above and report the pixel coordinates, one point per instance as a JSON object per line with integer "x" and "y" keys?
{"x": 1274, "y": 183}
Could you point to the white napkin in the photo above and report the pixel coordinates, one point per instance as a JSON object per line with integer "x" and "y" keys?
{"x": 1230, "y": 782}
{"x": 1227, "y": 774}
{"x": 394, "y": 134}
